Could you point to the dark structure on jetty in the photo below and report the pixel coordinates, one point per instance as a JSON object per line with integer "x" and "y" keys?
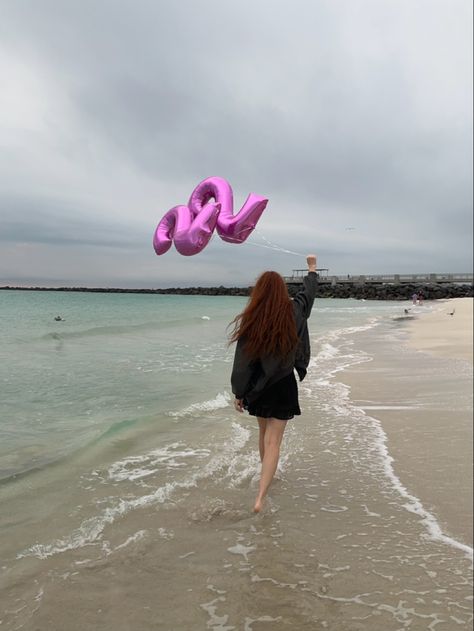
{"x": 387, "y": 286}
{"x": 375, "y": 287}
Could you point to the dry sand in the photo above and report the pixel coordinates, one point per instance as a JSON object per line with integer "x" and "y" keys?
{"x": 444, "y": 334}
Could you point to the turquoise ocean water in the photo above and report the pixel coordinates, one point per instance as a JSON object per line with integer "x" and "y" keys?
{"x": 127, "y": 479}
{"x": 117, "y": 360}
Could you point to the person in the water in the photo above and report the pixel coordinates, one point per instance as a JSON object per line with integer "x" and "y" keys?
{"x": 272, "y": 342}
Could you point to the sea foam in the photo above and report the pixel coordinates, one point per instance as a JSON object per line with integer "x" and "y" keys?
{"x": 91, "y": 530}
{"x": 222, "y": 400}
{"x": 331, "y": 363}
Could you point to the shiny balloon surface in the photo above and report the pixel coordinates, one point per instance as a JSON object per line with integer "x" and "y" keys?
{"x": 211, "y": 206}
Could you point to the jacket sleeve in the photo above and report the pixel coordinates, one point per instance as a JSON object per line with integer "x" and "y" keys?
{"x": 242, "y": 372}
{"x": 305, "y": 297}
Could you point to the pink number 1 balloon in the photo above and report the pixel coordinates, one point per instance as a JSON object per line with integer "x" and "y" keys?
{"x": 210, "y": 206}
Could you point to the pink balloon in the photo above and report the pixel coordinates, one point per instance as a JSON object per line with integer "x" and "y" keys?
{"x": 234, "y": 229}
{"x": 191, "y": 233}
{"x": 191, "y": 226}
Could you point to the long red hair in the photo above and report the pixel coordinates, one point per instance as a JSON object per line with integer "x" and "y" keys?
{"x": 267, "y": 323}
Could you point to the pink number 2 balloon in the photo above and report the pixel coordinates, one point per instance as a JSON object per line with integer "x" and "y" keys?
{"x": 210, "y": 207}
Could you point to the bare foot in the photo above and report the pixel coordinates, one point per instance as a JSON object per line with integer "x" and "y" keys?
{"x": 258, "y": 505}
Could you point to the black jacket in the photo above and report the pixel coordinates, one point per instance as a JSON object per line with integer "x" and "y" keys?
{"x": 250, "y": 377}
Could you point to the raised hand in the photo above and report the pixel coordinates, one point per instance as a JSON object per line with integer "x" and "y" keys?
{"x": 311, "y": 260}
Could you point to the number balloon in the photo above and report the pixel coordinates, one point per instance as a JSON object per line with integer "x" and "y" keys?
{"x": 210, "y": 207}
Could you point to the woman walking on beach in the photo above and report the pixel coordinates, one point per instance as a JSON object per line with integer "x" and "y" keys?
{"x": 272, "y": 341}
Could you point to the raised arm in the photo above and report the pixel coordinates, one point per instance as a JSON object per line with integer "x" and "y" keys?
{"x": 305, "y": 297}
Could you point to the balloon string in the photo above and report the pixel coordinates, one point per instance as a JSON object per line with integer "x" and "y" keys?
{"x": 274, "y": 246}
{"x": 269, "y": 245}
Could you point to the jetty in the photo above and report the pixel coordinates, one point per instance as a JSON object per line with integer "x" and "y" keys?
{"x": 367, "y": 287}
{"x": 465, "y": 278}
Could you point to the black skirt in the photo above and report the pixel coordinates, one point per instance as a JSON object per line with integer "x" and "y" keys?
{"x": 280, "y": 400}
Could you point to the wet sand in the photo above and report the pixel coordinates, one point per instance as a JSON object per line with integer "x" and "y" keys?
{"x": 419, "y": 386}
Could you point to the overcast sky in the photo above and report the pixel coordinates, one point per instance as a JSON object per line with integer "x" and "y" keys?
{"x": 354, "y": 117}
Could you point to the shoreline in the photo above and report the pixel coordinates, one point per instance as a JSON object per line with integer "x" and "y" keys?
{"x": 418, "y": 388}
{"x": 165, "y": 486}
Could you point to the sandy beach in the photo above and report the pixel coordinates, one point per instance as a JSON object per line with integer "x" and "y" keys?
{"x": 447, "y": 331}
{"x": 148, "y": 524}
{"x": 419, "y": 386}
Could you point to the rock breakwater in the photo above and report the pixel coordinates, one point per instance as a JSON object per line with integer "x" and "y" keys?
{"x": 326, "y": 290}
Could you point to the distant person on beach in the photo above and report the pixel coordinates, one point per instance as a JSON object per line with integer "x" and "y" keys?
{"x": 415, "y": 298}
{"x": 272, "y": 341}
{"x": 420, "y": 297}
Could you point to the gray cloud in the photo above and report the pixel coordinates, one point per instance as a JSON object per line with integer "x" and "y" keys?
{"x": 50, "y": 222}
{"x": 344, "y": 114}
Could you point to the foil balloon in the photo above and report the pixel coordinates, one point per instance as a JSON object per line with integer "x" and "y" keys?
{"x": 234, "y": 229}
{"x": 211, "y": 206}
{"x": 190, "y": 232}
